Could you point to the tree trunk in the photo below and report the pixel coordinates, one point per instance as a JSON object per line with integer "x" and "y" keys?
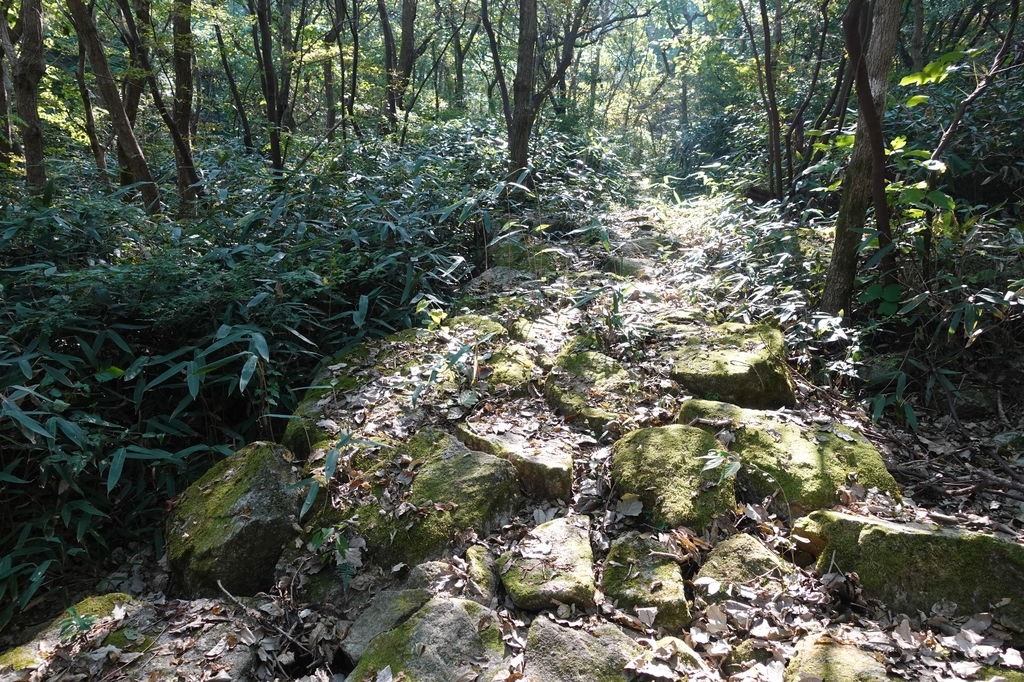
{"x": 119, "y": 119}
{"x": 917, "y": 38}
{"x": 499, "y": 71}
{"x": 406, "y": 52}
{"x": 523, "y": 113}
{"x": 6, "y": 129}
{"x": 774, "y": 123}
{"x": 239, "y": 106}
{"x": 389, "y": 62}
{"x": 332, "y": 106}
{"x": 27, "y": 69}
{"x": 858, "y": 183}
{"x": 184, "y": 51}
{"x": 90, "y": 118}
{"x": 265, "y": 57}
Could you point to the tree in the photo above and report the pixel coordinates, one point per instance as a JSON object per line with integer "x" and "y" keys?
{"x": 136, "y": 160}
{"x": 28, "y": 65}
{"x": 864, "y": 174}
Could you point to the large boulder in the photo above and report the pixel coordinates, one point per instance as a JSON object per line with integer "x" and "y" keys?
{"x": 455, "y": 490}
{"x": 661, "y": 466}
{"x": 550, "y": 566}
{"x": 560, "y": 654}
{"x": 640, "y": 572}
{"x": 233, "y": 523}
{"x": 740, "y": 364}
{"x": 387, "y": 609}
{"x": 910, "y": 567}
{"x": 447, "y": 639}
{"x": 543, "y": 466}
{"x": 809, "y": 463}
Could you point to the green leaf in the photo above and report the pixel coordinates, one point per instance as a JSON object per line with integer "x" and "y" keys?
{"x": 116, "y": 465}
{"x": 872, "y": 293}
{"x": 917, "y": 99}
{"x": 28, "y": 422}
{"x": 914, "y": 302}
{"x": 260, "y": 343}
{"x": 891, "y": 293}
{"x": 359, "y": 315}
{"x": 247, "y": 371}
{"x": 942, "y": 200}
{"x": 108, "y": 374}
{"x": 314, "y": 488}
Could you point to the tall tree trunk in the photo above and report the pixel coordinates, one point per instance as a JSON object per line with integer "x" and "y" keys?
{"x": 264, "y": 49}
{"x": 184, "y": 51}
{"x": 774, "y": 123}
{"x": 389, "y": 62}
{"x": 499, "y": 70}
{"x": 858, "y": 184}
{"x": 917, "y": 37}
{"x": 406, "y": 52}
{"x": 332, "y": 106}
{"x": 523, "y": 113}
{"x": 119, "y": 119}
{"x": 28, "y": 66}
{"x": 239, "y": 105}
{"x": 6, "y": 129}
{"x": 90, "y": 118}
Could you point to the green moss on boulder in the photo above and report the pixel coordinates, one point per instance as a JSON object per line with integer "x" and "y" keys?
{"x": 234, "y": 522}
{"x": 739, "y": 364}
{"x": 834, "y": 662}
{"x": 634, "y": 576}
{"x": 544, "y": 469}
{"x": 809, "y": 464}
{"x": 553, "y": 563}
{"x": 455, "y": 490}
{"x": 559, "y": 654}
{"x": 910, "y": 567}
{"x": 741, "y": 560}
{"x": 661, "y": 465}
{"x": 588, "y": 386}
{"x": 444, "y": 640}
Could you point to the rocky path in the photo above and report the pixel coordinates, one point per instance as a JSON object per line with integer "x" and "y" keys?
{"x": 576, "y": 474}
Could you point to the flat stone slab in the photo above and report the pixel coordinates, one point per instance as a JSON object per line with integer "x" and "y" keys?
{"x": 559, "y": 654}
{"x": 740, "y": 364}
{"x": 808, "y": 461}
{"x": 640, "y": 572}
{"x": 552, "y": 565}
{"x": 661, "y": 466}
{"x": 910, "y": 567}
{"x": 824, "y": 659}
{"x": 453, "y": 490}
{"x": 543, "y": 463}
{"x": 447, "y": 639}
{"x": 589, "y": 388}
{"x": 546, "y": 335}
{"x": 739, "y": 561}
{"x": 386, "y": 609}
{"x": 233, "y": 523}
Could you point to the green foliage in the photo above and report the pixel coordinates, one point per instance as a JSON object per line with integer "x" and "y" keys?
{"x": 138, "y": 351}
{"x": 76, "y": 624}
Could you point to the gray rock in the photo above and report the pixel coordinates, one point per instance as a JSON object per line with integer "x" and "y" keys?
{"x": 634, "y": 577}
{"x": 560, "y": 654}
{"x": 428, "y": 574}
{"x": 583, "y": 382}
{"x": 740, "y": 560}
{"x": 387, "y": 609}
{"x": 544, "y": 469}
{"x": 444, "y": 640}
{"x": 910, "y": 567}
{"x": 233, "y": 523}
{"x": 554, "y": 563}
{"x": 483, "y": 581}
{"x": 834, "y": 662}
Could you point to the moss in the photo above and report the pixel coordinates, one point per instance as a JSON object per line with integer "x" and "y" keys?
{"x": 513, "y": 366}
{"x": 735, "y": 363}
{"x": 910, "y": 567}
{"x": 833, "y": 662}
{"x": 388, "y": 649}
{"x": 19, "y": 658}
{"x": 744, "y": 654}
{"x": 661, "y": 466}
{"x": 581, "y": 378}
{"x": 809, "y": 466}
{"x": 479, "y": 325}
{"x": 477, "y": 491}
{"x": 566, "y": 576}
{"x": 989, "y": 671}
{"x": 633, "y": 577}
{"x": 741, "y": 560}
{"x": 119, "y": 639}
{"x": 98, "y": 606}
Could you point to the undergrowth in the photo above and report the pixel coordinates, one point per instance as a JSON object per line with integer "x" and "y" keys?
{"x": 137, "y": 350}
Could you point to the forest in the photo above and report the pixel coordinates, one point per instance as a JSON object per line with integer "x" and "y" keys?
{"x": 203, "y": 200}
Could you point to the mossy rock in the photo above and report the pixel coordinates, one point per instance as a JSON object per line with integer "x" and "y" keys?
{"x": 455, "y": 490}
{"x": 472, "y": 328}
{"x": 627, "y": 267}
{"x": 989, "y": 671}
{"x": 512, "y": 366}
{"x": 745, "y": 654}
{"x": 661, "y": 465}
{"x": 554, "y": 563}
{"x": 548, "y": 335}
{"x": 483, "y": 581}
{"x": 538, "y": 259}
{"x": 741, "y": 560}
{"x": 910, "y": 567}
{"x": 97, "y": 607}
{"x": 544, "y": 470}
{"x": 387, "y": 609}
{"x": 560, "y": 654}
{"x": 444, "y": 640}
{"x": 808, "y": 464}
{"x": 636, "y": 577}
{"x": 588, "y": 387}
{"x": 834, "y": 662}
{"x": 739, "y": 364}
{"x": 233, "y": 523}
